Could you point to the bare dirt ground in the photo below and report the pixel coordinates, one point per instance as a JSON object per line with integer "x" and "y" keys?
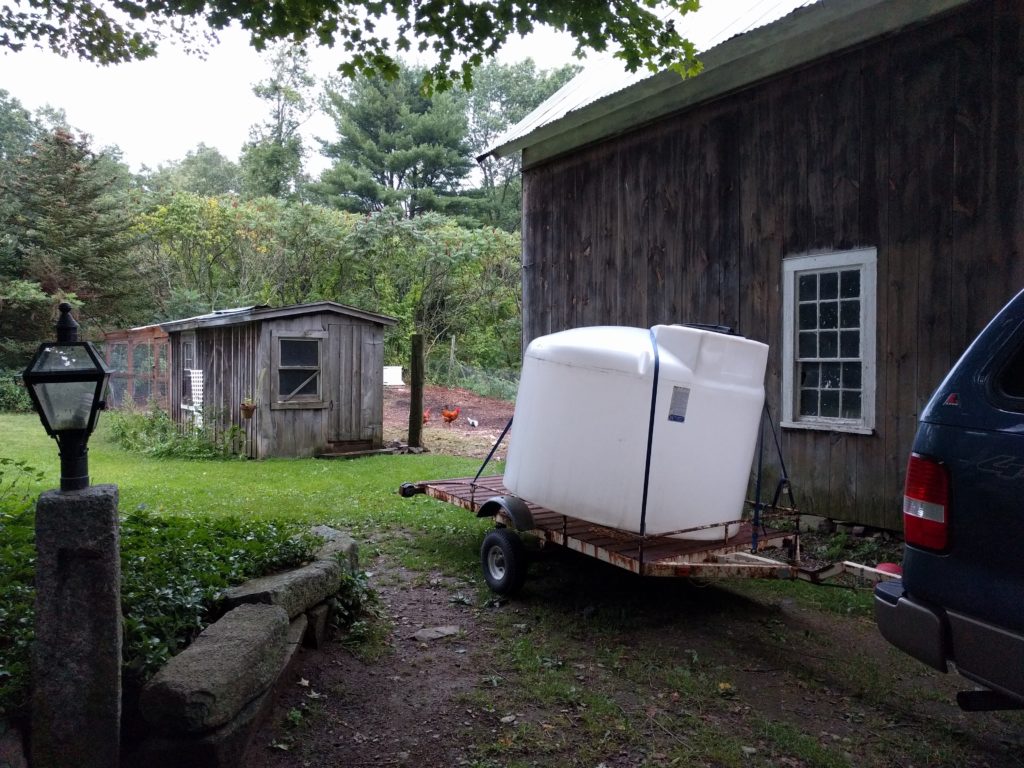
{"x": 590, "y": 666}
{"x": 459, "y": 437}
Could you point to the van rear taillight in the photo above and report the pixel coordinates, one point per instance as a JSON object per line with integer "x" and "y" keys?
{"x": 926, "y": 504}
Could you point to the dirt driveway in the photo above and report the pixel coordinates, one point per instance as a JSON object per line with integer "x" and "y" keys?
{"x": 593, "y": 667}
{"x": 590, "y": 666}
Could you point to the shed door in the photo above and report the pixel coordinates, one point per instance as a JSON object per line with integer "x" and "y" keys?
{"x": 356, "y": 358}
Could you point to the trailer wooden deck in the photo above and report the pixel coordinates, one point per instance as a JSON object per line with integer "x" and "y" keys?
{"x": 645, "y": 555}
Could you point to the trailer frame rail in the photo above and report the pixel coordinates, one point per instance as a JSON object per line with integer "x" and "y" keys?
{"x": 664, "y": 555}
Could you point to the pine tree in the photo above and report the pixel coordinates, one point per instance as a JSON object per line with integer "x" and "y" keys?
{"x": 397, "y": 147}
{"x": 271, "y": 162}
{"x": 71, "y": 229}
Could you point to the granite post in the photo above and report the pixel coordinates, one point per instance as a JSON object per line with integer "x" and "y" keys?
{"x": 76, "y": 658}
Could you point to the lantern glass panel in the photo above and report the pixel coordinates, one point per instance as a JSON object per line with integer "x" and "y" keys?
{"x": 66, "y": 404}
{"x": 64, "y": 358}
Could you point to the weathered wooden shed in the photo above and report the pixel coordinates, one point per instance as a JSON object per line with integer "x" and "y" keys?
{"x": 844, "y": 184}
{"x": 313, "y": 374}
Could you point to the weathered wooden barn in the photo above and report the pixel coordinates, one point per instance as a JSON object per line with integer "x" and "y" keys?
{"x": 844, "y": 184}
{"x": 302, "y": 380}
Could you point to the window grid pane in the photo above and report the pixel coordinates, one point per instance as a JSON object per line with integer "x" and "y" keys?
{"x": 829, "y": 368}
{"x": 298, "y": 375}
{"x": 307, "y": 383}
{"x": 300, "y": 353}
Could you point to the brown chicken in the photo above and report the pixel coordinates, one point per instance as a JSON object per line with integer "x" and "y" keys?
{"x": 426, "y": 415}
{"x": 450, "y": 416}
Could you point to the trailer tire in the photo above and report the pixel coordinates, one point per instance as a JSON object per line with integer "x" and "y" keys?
{"x": 504, "y": 561}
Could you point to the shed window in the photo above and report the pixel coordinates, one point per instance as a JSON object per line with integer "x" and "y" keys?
{"x": 829, "y": 341}
{"x": 299, "y": 373}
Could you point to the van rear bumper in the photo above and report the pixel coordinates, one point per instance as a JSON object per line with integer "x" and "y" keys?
{"x": 982, "y": 652}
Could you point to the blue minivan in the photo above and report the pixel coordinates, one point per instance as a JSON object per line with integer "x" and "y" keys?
{"x": 960, "y": 603}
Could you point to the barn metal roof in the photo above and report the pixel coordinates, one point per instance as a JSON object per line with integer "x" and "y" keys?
{"x": 222, "y": 317}
{"x": 767, "y": 37}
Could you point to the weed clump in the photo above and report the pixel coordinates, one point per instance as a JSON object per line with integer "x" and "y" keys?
{"x": 13, "y": 396}
{"x": 153, "y": 433}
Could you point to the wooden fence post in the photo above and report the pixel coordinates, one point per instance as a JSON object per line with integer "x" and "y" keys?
{"x": 416, "y": 400}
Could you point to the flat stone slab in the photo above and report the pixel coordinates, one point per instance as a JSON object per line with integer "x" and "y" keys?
{"x": 336, "y": 542}
{"x": 226, "y": 746}
{"x": 226, "y": 667}
{"x": 435, "y": 633}
{"x": 295, "y": 591}
{"x": 316, "y": 632}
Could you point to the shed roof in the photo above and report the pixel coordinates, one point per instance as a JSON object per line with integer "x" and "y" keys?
{"x": 152, "y": 331}
{"x": 260, "y": 312}
{"x": 603, "y": 100}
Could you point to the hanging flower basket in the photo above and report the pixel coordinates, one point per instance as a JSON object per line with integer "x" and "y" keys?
{"x": 248, "y": 409}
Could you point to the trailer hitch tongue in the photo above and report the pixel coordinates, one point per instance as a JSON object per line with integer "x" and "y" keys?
{"x": 407, "y": 490}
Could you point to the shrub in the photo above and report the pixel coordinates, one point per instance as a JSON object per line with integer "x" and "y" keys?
{"x": 13, "y": 396}
{"x": 500, "y": 384}
{"x": 17, "y": 575}
{"x": 152, "y": 433}
{"x": 173, "y": 571}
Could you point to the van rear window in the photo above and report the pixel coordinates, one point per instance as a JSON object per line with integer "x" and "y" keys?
{"x": 1011, "y": 377}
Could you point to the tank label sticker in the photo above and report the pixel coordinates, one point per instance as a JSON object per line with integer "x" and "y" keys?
{"x": 677, "y": 408}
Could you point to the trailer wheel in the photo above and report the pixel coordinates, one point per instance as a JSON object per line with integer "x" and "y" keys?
{"x": 504, "y": 561}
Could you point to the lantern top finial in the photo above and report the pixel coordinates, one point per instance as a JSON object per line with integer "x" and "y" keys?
{"x": 67, "y": 328}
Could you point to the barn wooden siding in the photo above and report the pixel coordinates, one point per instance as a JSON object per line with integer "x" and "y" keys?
{"x": 911, "y": 144}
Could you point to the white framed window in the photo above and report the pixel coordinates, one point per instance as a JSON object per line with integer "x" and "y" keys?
{"x": 298, "y": 370}
{"x": 828, "y": 342}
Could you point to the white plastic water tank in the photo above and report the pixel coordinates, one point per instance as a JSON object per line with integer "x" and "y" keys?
{"x": 583, "y": 415}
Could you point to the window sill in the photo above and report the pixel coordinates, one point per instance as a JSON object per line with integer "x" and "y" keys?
{"x": 853, "y": 429}
{"x": 299, "y": 405}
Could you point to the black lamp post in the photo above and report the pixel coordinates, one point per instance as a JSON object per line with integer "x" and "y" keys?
{"x": 66, "y": 381}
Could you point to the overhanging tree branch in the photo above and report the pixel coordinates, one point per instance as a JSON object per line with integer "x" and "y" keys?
{"x": 461, "y": 34}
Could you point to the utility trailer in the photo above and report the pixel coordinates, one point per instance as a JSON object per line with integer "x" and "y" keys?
{"x": 504, "y": 558}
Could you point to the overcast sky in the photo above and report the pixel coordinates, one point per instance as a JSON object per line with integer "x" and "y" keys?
{"x": 158, "y": 110}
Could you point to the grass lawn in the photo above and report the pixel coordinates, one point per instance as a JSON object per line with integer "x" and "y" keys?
{"x": 351, "y": 494}
{"x": 357, "y": 495}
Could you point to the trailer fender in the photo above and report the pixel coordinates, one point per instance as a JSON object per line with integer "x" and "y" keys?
{"x": 512, "y": 506}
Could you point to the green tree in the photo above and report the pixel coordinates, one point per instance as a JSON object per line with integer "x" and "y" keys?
{"x": 271, "y": 163}
{"x": 396, "y": 147}
{"x": 203, "y": 171}
{"x": 438, "y": 279}
{"x": 70, "y": 224}
{"x": 189, "y": 243}
{"x": 461, "y": 33}
{"x": 17, "y": 132}
{"x": 297, "y": 251}
{"x": 502, "y": 95}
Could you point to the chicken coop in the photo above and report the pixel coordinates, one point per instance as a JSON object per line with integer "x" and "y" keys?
{"x": 139, "y": 367}
{"x": 298, "y": 381}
